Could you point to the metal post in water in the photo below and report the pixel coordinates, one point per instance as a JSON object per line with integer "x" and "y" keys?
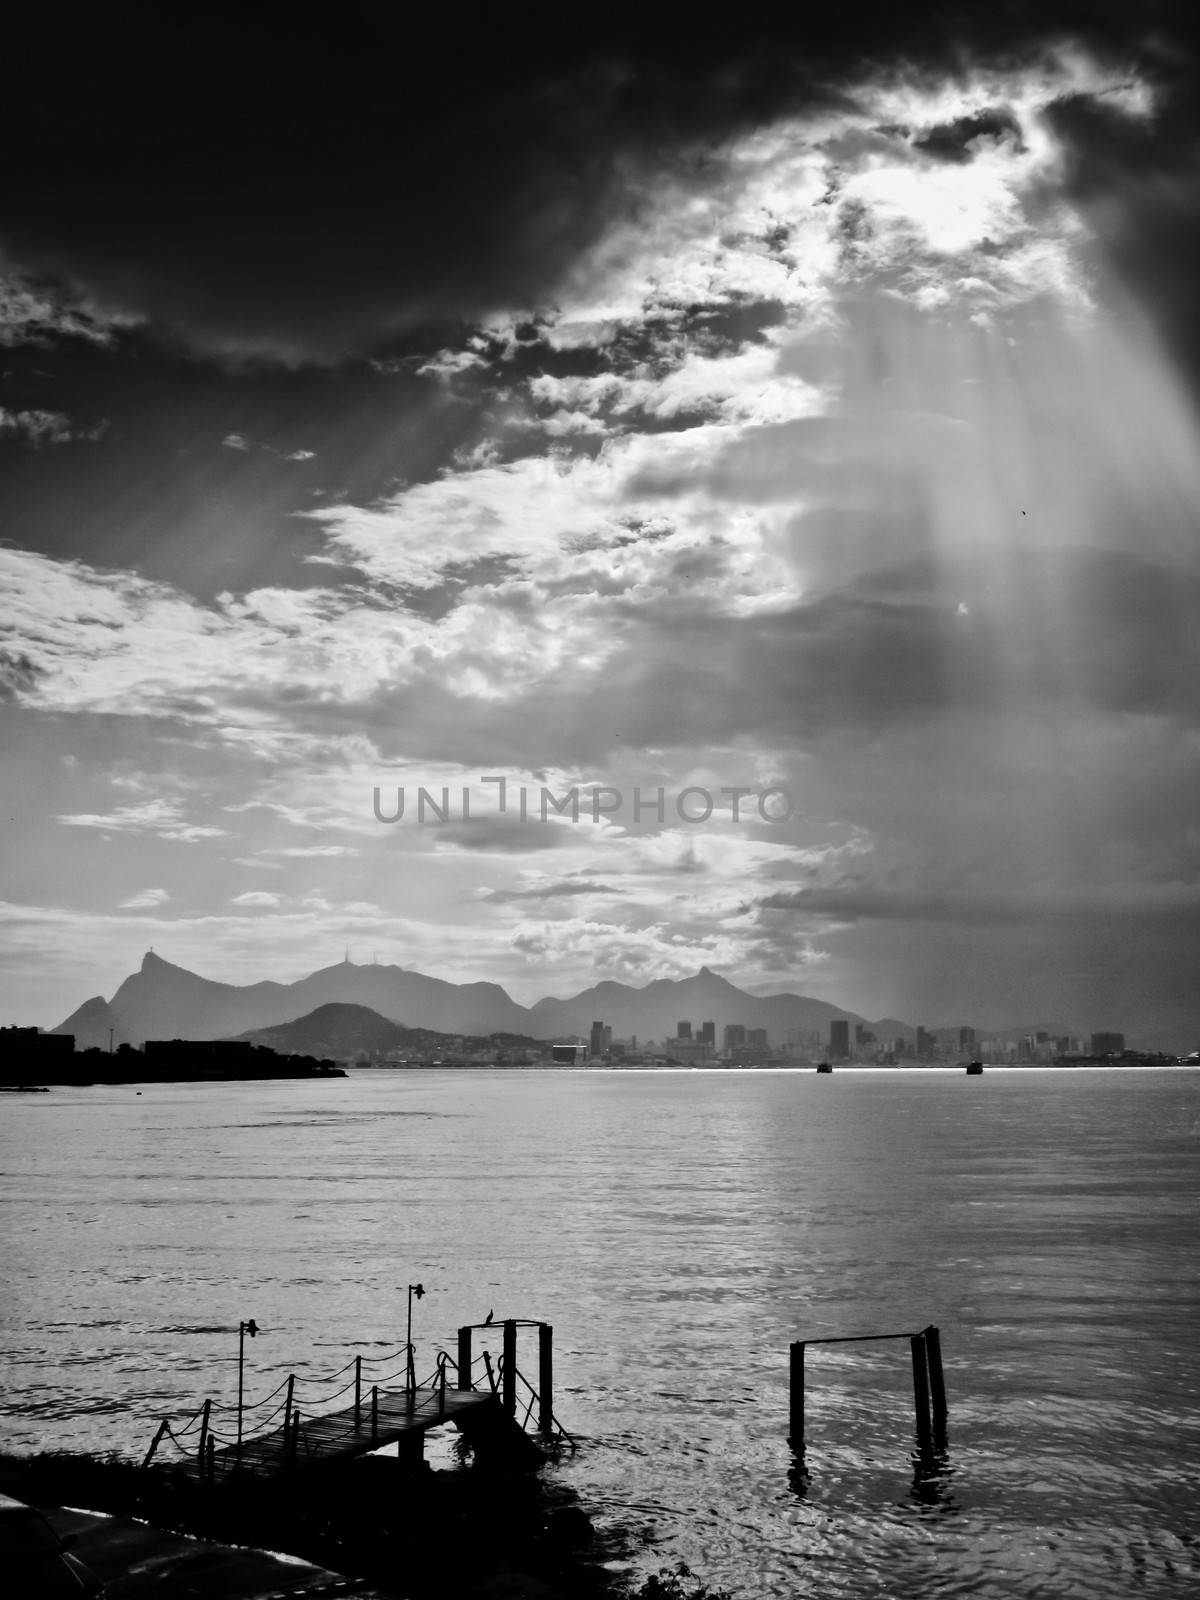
{"x": 375, "y": 1414}
{"x": 464, "y": 1358}
{"x": 510, "y": 1368}
{"x": 796, "y": 1396}
{"x": 545, "y": 1378}
{"x": 287, "y": 1407}
{"x": 937, "y": 1379}
{"x": 442, "y": 1384}
{"x": 357, "y": 1390}
{"x": 920, "y": 1366}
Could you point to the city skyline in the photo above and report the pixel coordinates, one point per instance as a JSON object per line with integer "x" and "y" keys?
{"x": 487, "y": 410}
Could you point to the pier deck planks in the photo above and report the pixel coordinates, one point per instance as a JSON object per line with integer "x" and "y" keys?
{"x": 335, "y": 1436}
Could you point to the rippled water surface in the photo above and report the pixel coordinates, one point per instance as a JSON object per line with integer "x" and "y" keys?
{"x": 678, "y": 1230}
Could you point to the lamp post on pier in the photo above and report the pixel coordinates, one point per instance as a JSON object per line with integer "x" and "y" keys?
{"x": 417, "y": 1289}
{"x": 244, "y": 1328}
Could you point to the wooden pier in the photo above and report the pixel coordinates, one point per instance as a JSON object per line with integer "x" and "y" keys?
{"x": 490, "y": 1415}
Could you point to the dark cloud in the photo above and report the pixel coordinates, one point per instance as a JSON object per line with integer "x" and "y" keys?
{"x": 261, "y": 178}
{"x": 552, "y": 891}
{"x": 18, "y": 675}
{"x": 507, "y": 835}
{"x": 989, "y": 907}
{"x": 951, "y": 141}
{"x": 1138, "y": 182}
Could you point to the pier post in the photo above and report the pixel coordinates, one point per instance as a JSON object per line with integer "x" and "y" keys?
{"x": 442, "y": 1384}
{"x": 357, "y": 1390}
{"x": 204, "y": 1434}
{"x": 294, "y": 1446}
{"x": 491, "y": 1377}
{"x": 154, "y": 1443}
{"x": 464, "y": 1358}
{"x": 937, "y": 1379}
{"x": 937, "y": 1385}
{"x": 920, "y": 1366}
{"x": 796, "y": 1396}
{"x": 545, "y": 1378}
{"x": 510, "y": 1368}
{"x": 375, "y": 1414}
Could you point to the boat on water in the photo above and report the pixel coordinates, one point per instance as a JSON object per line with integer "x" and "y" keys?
{"x": 824, "y": 1067}
{"x": 974, "y": 1069}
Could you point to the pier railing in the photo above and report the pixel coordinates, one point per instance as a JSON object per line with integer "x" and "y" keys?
{"x": 218, "y": 1425}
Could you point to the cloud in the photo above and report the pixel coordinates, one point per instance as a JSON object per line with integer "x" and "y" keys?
{"x": 256, "y": 899}
{"x": 551, "y": 891}
{"x": 634, "y": 107}
{"x": 18, "y": 675}
{"x": 159, "y": 817}
{"x": 312, "y": 851}
{"x": 145, "y": 900}
{"x": 45, "y": 427}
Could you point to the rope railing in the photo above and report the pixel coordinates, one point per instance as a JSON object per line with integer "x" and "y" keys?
{"x": 483, "y": 1374}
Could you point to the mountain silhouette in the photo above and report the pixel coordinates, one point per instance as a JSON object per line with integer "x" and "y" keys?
{"x": 340, "y": 1032}
{"x": 164, "y": 1001}
{"x": 95, "y": 1025}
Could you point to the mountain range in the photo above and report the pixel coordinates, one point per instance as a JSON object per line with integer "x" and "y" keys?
{"x": 163, "y": 1001}
{"x": 341, "y": 1032}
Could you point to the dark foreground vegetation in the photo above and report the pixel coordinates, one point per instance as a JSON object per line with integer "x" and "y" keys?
{"x": 478, "y": 1534}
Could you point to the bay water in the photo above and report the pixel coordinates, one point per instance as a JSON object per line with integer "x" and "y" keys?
{"x": 678, "y": 1230}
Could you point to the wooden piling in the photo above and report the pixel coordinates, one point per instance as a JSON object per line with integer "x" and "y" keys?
{"x": 442, "y": 1385}
{"x": 796, "y": 1396}
{"x": 545, "y": 1378}
{"x": 207, "y": 1411}
{"x": 375, "y": 1413}
{"x": 920, "y": 1366}
{"x": 487, "y": 1366}
{"x": 357, "y": 1390}
{"x": 287, "y": 1408}
{"x": 154, "y": 1443}
{"x": 464, "y": 1358}
{"x": 294, "y": 1443}
{"x": 509, "y": 1399}
{"x": 937, "y": 1379}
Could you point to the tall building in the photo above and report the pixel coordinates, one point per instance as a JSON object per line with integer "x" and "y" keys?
{"x": 1107, "y": 1044}
{"x": 839, "y": 1037}
{"x": 735, "y": 1034}
{"x": 708, "y": 1033}
{"x": 926, "y": 1043}
{"x": 683, "y": 1030}
{"x": 966, "y": 1038}
{"x": 597, "y": 1039}
{"x": 757, "y": 1037}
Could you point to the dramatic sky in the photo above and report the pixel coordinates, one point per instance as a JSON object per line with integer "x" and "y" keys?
{"x": 643, "y": 406}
